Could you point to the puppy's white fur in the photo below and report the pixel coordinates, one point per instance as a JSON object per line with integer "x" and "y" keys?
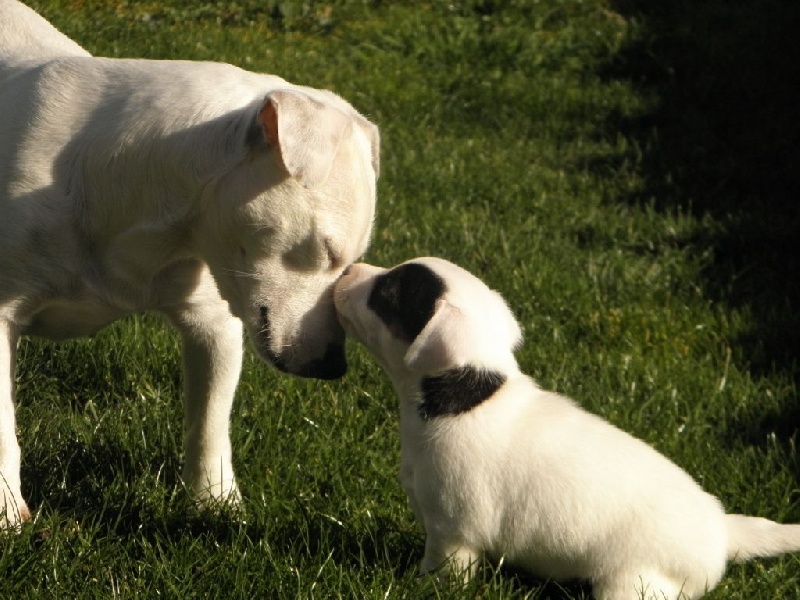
{"x": 210, "y": 194}
{"x": 529, "y": 476}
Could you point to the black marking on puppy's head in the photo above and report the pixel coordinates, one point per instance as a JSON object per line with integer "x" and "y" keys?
{"x": 457, "y": 391}
{"x": 404, "y": 298}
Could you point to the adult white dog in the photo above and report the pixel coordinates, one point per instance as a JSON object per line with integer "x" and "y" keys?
{"x": 495, "y": 466}
{"x": 213, "y": 195}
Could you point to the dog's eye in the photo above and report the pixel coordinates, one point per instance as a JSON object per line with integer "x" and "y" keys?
{"x": 312, "y": 254}
{"x": 334, "y": 262}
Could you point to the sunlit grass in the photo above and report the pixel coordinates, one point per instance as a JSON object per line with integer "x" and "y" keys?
{"x": 508, "y": 147}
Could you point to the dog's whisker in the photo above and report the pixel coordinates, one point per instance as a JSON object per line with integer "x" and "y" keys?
{"x": 250, "y": 275}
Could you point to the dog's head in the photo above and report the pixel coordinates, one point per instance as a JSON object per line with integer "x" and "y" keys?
{"x": 428, "y": 320}
{"x": 287, "y": 220}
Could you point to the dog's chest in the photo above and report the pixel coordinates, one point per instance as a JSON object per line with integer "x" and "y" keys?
{"x": 66, "y": 318}
{"x": 80, "y": 308}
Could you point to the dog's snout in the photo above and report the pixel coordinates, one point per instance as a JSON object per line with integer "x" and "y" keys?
{"x": 332, "y": 365}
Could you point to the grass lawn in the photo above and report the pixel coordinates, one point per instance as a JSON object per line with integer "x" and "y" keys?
{"x": 626, "y": 173}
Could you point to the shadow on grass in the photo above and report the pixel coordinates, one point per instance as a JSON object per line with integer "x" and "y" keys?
{"x": 724, "y": 140}
{"x": 100, "y": 492}
{"x": 97, "y": 479}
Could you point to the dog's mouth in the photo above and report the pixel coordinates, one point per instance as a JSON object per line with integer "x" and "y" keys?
{"x": 331, "y": 365}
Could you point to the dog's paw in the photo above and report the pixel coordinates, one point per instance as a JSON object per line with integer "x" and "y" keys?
{"x": 220, "y": 496}
{"x": 13, "y": 513}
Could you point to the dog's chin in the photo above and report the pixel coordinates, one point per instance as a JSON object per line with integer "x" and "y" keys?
{"x": 331, "y": 365}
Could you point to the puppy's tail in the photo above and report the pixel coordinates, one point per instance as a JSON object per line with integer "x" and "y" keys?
{"x": 753, "y": 537}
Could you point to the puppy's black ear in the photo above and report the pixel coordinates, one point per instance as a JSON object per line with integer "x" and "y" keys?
{"x": 306, "y": 132}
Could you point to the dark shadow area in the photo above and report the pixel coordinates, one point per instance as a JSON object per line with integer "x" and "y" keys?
{"x": 80, "y": 478}
{"x": 93, "y": 496}
{"x": 724, "y": 140}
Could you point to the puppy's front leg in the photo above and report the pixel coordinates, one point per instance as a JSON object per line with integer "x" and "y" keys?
{"x": 406, "y": 477}
{"x": 13, "y": 509}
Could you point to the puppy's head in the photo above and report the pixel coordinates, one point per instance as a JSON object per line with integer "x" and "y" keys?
{"x": 427, "y": 317}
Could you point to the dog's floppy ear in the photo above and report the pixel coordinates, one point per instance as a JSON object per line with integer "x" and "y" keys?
{"x": 441, "y": 343}
{"x": 371, "y": 131}
{"x": 306, "y": 132}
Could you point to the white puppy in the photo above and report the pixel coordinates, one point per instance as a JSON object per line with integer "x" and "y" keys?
{"x": 210, "y": 194}
{"x": 495, "y": 466}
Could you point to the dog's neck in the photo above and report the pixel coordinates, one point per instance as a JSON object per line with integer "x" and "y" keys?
{"x": 456, "y": 391}
{"x": 156, "y": 176}
{"x": 160, "y": 183}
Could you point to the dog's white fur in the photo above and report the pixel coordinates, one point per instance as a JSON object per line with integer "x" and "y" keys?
{"x": 529, "y": 476}
{"x": 213, "y": 195}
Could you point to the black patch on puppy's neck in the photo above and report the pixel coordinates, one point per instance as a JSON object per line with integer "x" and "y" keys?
{"x": 457, "y": 391}
{"x": 404, "y": 298}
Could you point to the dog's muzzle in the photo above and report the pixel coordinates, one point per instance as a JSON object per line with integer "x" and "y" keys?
{"x": 332, "y": 364}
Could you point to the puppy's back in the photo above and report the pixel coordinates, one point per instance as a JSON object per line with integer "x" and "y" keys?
{"x": 576, "y": 486}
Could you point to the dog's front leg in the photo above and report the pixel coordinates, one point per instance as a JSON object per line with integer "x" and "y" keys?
{"x": 212, "y": 361}
{"x": 13, "y": 509}
{"x": 406, "y": 478}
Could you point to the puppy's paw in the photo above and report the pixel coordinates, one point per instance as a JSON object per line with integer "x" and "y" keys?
{"x": 459, "y": 566}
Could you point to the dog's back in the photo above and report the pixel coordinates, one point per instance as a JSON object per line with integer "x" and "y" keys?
{"x": 24, "y": 34}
